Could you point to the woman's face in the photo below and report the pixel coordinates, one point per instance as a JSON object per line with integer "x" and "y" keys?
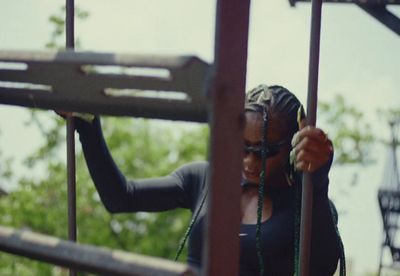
{"x": 277, "y": 135}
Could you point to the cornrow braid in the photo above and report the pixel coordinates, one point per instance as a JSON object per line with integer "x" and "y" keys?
{"x": 277, "y": 100}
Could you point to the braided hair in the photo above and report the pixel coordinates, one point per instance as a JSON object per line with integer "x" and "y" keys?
{"x": 280, "y": 102}
{"x": 276, "y": 100}
{"x": 272, "y": 101}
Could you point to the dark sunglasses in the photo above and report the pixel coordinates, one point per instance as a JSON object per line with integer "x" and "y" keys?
{"x": 272, "y": 149}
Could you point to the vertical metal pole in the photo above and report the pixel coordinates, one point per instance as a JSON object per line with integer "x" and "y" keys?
{"x": 395, "y": 142}
{"x": 381, "y": 257}
{"x": 312, "y": 97}
{"x": 70, "y": 44}
{"x": 221, "y": 252}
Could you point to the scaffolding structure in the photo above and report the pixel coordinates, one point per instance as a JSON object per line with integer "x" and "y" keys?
{"x": 187, "y": 89}
{"x": 389, "y": 202}
{"x": 178, "y": 88}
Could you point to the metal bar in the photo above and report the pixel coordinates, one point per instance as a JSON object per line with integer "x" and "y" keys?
{"x": 70, "y": 24}
{"x": 71, "y": 179}
{"x": 380, "y": 13}
{"x": 221, "y": 254}
{"x": 176, "y": 93}
{"x": 71, "y": 171}
{"x": 312, "y": 97}
{"x": 85, "y": 257}
{"x": 361, "y": 2}
{"x": 118, "y": 106}
{"x": 93, "y": 58}
{"x": 375, "y": 8}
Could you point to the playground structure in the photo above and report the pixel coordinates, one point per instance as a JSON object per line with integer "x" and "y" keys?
{"x": 43, "y": 80}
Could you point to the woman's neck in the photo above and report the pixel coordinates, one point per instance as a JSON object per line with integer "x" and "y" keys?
{"x": 249, "y": 205}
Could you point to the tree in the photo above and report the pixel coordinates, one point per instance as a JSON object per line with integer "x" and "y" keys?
{"x": 40, "y": 204}
{"x": 351, "y": 135}
{"x": 138, "y": 146}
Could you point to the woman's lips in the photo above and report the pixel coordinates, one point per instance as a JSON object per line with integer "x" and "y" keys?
{"x": 250, "y": 175}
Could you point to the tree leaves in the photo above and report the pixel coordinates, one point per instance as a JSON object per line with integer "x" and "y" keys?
{"x": 142, "y": 148}
{"x": 352, "y": 136}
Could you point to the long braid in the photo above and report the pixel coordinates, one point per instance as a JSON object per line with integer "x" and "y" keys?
{"x": 261, "y": 188}
{"x": 297, "y": 216}
{"x": 342, "y": 256}
{"x": 190, "y": 227}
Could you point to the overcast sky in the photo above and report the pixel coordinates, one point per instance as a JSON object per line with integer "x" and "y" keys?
{"x": 359, "y": 59}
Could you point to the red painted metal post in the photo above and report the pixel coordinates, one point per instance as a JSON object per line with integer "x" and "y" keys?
{"x": 221, "y": 252}
{"x": 312, "y": 97}
{"x": 71, "y": 171}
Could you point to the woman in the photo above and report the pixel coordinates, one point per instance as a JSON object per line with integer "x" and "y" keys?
{"x": 270, "y": 187}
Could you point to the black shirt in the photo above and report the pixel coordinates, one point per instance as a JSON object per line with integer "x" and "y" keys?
{"x": 186, "y": 187}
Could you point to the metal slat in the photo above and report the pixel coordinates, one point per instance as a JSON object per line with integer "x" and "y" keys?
{"x": 85, "y": 257}
{"x": 73, "y": 89}
{"x": 383, "y": 15}
{"x": 375, "y": 8}
{"x": 361, "y": 2}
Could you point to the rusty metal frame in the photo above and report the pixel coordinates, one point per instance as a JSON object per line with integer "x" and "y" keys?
{"x": 86, "y": 257}
{"x": 383, "y": 15}
{"x": 365, "y": 2}
{"x": 312, "y": 98}
{"x": 222, "y": 247}
{"x": 67, "y": 85}
{"x": 375, "y": 8}
{"x": 57, "y": 80}
{"x": 70, "y": 134}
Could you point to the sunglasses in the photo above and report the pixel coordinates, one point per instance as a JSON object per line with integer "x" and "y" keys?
{"x": 271, "y": 149}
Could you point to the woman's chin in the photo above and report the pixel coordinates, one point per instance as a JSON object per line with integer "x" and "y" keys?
{"x": 251, "y": 178}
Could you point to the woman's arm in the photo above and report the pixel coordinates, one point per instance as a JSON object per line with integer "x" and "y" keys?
{"x": 121, "y": 195}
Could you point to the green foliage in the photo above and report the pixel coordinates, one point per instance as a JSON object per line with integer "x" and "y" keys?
{"x": 351, "y": 135}
{"x": 392, "y": 117}
{"x": 57, "y": 21}
{"x": 5, "y": 172}
{"x": 141, "y": 148}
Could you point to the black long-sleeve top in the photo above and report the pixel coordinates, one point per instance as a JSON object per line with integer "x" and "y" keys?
{"x": 186, "y": 187}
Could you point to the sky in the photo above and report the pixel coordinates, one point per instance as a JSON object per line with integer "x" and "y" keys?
{"x": 359, "y": 60}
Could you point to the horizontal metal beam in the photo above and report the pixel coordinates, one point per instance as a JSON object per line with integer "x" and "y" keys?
{"x": 383, "y": 15}
{"x": 85, "y": 257}
{"x": 362, "y": 2}
{"x": 113, "y": 84}
{"x": 375, "y": 8}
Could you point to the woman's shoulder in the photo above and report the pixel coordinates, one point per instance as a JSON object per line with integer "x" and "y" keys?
{"x": 194, "y": 168}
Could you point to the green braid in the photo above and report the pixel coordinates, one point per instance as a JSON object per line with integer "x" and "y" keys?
{"x": 297, "y": 216}
{"x": 342, "y": 256}
{"x": 190, "y": 227}
{"x": 261, "y": 189}
{"x": 342, "y": 268}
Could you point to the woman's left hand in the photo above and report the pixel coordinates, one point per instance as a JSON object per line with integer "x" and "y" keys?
{"x": 311, "y": 149}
